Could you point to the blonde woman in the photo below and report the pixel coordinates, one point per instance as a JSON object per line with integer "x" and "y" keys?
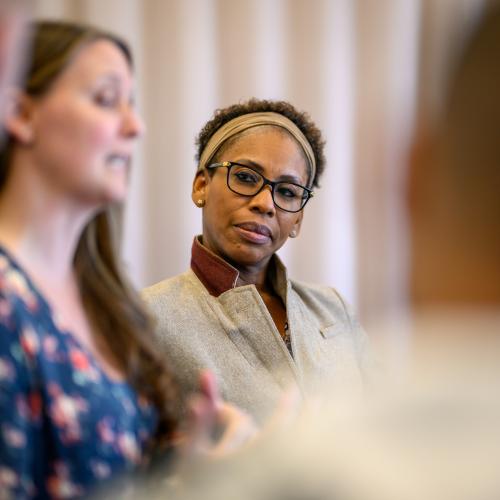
{"x": 84, "y": 395}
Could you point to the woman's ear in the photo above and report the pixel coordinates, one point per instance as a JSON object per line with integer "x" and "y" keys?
{"x": 198, "y": 194}
{"x": 296, "y": 227}
{"x": 19, "y": 110}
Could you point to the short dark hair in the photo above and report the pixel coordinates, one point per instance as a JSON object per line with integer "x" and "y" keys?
{"x": 300, "y": 118}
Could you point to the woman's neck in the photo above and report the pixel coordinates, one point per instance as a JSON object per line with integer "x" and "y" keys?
{"x": 255, "y": 276}
{"x": 39, "y": 227}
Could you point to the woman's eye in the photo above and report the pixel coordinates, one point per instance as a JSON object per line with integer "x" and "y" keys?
{"x": 246, "y": 177}
{"x": 106, "y": 99}
{"x": 287, "y": 191}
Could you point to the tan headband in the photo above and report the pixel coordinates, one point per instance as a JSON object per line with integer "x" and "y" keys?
{"x": 244, "y": 122}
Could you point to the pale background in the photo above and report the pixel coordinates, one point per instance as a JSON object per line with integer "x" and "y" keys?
{"x": 366, "y": 71}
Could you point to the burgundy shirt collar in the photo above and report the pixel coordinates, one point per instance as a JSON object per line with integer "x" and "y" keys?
{"x": 218, "y": 276}
{"x": 215, "y": 273}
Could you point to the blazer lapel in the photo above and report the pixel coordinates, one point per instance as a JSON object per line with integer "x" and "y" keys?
{"x": 255, "y": 334}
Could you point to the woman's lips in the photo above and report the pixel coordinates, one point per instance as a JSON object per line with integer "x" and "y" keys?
{"x": 254, "y": 233}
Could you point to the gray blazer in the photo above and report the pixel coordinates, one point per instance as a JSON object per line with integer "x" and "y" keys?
{"x": 235, "y": 337}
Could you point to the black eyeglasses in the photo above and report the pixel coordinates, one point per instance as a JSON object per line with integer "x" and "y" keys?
{"x": 246, "y": 181}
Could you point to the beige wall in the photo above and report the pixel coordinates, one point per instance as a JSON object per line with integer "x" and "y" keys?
{"x": 362, "y": 68}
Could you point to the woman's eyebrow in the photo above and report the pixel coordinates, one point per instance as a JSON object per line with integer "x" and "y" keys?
{"x": 250, "y": 163}
{"x": 257, "y": 166}
{"x": 110, "y": 76}
{"x": 114, "y": 79}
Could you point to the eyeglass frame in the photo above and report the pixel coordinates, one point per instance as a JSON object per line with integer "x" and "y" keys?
{"x": 267, "y": 182}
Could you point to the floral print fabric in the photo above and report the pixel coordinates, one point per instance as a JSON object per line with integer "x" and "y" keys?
{"x": 65, "y": 426}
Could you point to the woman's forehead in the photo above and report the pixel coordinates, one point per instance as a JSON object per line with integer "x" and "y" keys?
{"x": 266, "y": 141}
{"x": 102, "y": 52}
{"x": 93, "y": 59}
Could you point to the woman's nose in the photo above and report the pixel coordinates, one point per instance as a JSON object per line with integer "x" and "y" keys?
{"x": 133, "y": 124}
{"x": 263, "y": 201}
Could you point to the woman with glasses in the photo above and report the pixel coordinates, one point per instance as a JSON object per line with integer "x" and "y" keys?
{"x": 235, "y": 311}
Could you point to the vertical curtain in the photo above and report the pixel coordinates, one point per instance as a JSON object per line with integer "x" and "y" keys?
{"x": 361, "y": 68}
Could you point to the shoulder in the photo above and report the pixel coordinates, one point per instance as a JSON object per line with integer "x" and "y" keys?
{"x": 19, "y": 340}
{"x": 24, "y": 319}
{"x": 167, "y": 287}
{"x": 19, "y": 304}
{"x": 15, "y": 288}
{"x": 327, "y": 305}
{"x": 336, "y": 315}
{"x": 315, "y": 289}
{"x": 316, "y": 294}
{"x": 171, "y": 292}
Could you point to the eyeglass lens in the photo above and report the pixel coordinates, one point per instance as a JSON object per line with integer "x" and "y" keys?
{"x": 248, "y": 182}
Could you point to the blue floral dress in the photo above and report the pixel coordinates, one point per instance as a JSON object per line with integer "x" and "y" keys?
{"x": 65, "y": 426}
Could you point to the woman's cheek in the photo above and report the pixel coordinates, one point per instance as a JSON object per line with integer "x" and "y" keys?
{"x": 102, "y": 132}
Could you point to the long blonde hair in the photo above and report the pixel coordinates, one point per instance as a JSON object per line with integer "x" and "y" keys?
{"x": 121, "y": 325}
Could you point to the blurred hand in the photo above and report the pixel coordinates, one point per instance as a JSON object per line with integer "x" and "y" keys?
{"x": 217, "y": 429}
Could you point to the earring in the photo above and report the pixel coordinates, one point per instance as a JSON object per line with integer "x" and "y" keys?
{"x": 200, "y": 202}
{"x": 293, "y": 233}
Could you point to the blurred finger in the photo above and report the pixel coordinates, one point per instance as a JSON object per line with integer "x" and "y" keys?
{"x": 238, "y": 429}
{"x": 208, "y": 387}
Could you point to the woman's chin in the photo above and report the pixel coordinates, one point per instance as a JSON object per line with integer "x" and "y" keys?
{"x": 250, "y": 255}
{"x": 115, "y": 195}
{"x": 99, "y": 199}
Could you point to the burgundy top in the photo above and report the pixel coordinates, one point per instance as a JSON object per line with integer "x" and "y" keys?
{"x": 215, "y": 273}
